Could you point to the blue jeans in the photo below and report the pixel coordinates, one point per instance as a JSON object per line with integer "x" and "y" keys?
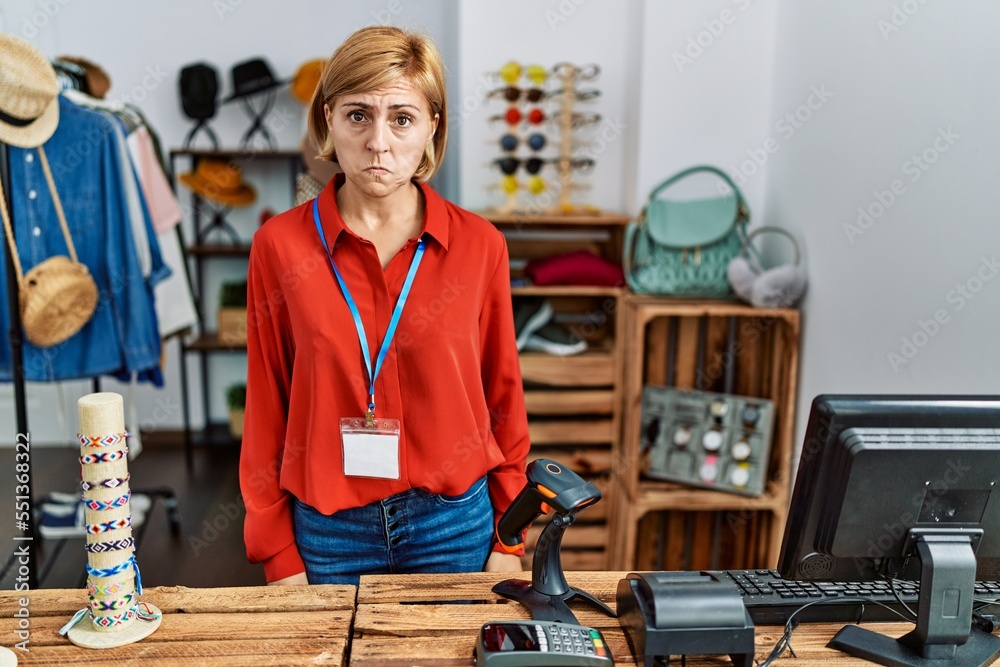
{"x": 409, "y": 532}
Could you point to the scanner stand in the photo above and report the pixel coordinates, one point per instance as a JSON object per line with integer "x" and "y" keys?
{"x": 548, "y": 592}
{"x": 682, "y": 613}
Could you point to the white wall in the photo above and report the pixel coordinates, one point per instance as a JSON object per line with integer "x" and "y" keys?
{"x": 894, "y": 93}
{"x": 143, "y": 46}
{"x": 546, "y": 33}
{"x": 877, "y": 98}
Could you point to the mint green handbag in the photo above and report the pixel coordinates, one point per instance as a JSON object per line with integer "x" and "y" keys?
{"x": 683, "y": 247}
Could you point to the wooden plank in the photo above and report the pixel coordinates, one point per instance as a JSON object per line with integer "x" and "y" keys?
{"x": 589, "y": 369}
{"x": 396, "y": 588}
{"x": 586, "y": 462}
{"x": 566, "y": 290}
{"x": 235, "y": 653}
{"x": 454, "y": 650}
{"x": 588, "y": 560}
{"x": 428, "y": 620}
{"x": 687, "y": 352}
{"x": 717, "y": 355}
{"x": 658, "y": 495}
{"x": 183, "y": 627}
{"x": 551, "y": 402}
{"x": 170, "y": 599}
{"x": 657, "y": 342}
{"x": 528, "y": 218}
{"x": 571, "y": 432}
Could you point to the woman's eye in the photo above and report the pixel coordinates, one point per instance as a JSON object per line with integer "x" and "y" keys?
{"x": 356, "y": 116}
{"x": 404, "y": 121}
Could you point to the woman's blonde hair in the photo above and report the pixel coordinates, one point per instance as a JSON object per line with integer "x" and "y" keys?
{"x": 378, "y": 56}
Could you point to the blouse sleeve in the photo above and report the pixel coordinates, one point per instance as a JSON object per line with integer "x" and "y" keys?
{"x": 501, "y": 373}
{"x": 268, "y": 531}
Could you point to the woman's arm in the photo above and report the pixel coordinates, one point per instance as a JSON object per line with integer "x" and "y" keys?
{"x": 501, "y": 373}
{"x": 268, "y": 531}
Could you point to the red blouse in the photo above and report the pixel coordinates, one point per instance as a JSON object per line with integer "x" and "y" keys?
{"x": 451, "y": 377}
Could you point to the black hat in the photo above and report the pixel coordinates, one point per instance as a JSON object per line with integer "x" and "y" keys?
{"x": 251, "y": 77}
{"x": 199, "y": 86}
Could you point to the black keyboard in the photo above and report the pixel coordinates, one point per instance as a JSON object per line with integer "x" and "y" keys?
{"x": 771, "y": 599}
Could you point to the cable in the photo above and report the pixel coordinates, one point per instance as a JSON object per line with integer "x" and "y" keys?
{"x": 785, "y": 641}
{"x": 892, "y": 587}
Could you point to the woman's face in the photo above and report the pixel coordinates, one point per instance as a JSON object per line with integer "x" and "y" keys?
{"x": 380, "y": 135}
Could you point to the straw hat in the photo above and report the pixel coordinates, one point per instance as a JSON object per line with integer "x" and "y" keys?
{"x": 220, "y": 182}
{"x": 98, "y": 81}
{"x": 29, "y": 94}
{"x": 306, "y": 79}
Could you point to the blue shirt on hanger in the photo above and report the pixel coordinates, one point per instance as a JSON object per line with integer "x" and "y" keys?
{"x": 122, "y": 336}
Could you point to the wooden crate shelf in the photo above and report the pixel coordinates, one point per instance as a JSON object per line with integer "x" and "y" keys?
{"x": 574, "y": 402}
{"x": 720, "y": 346}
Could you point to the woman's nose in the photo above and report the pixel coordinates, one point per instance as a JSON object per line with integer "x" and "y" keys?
{"x": 378, "y": 140}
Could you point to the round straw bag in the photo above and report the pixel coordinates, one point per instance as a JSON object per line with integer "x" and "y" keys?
{"x": 58, "y": 296}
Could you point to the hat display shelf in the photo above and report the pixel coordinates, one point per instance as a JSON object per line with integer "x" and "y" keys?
{"x": 257, "y": 116}
{"x": 115, "y": 615}
{"x": 214, "y": 238}
{"x": 543, "y": 114}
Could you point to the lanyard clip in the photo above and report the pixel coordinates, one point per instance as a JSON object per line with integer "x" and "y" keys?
{"x": 370, "y": 412}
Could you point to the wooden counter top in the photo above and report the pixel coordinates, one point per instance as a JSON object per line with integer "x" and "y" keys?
{"x": 398, "y": 621}
{"x": 259, "y": 625}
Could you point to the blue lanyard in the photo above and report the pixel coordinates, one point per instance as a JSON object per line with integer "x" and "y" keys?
{"x": 393, "y": 323}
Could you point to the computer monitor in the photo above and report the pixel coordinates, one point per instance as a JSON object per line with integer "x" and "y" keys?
{"x": 902, "y": 487}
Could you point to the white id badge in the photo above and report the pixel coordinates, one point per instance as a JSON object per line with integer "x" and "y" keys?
{"x": 370, "y": 451}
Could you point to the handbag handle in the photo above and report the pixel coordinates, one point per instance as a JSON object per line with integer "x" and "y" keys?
{"x": 747, "y": 248}
{"x": 742, "y": 212}
{"x": 9, "y": 229}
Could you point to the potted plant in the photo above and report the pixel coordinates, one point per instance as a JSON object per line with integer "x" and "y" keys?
{"x": 236, "y": 399}
{"x": 232, "y": 317}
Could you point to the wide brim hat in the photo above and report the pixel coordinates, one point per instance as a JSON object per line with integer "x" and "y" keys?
{"x": 306, "y": 79}
{"x": 98, "y": 81}
{"x": 251, "y": 77}
{"x": 221, "y": 182}
{"x": 29, "y": 94}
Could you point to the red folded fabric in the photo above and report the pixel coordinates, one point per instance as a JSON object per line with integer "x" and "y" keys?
{"x": 580, "y": 267}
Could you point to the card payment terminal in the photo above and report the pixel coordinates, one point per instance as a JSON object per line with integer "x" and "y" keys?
{"x": 541, "y": 644}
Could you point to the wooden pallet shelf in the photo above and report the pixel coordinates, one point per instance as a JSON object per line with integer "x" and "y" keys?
{"x": 721, "y": 346}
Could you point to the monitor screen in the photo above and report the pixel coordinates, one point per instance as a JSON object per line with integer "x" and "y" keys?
{"x": 873, "y": 468}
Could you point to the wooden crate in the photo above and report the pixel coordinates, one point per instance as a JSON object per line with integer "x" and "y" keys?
{"x": 717, "y": 346}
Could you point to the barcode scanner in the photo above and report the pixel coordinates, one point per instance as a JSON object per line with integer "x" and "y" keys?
{"x": 551, "y": 487}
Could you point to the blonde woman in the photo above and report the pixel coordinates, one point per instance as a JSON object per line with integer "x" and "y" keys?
{"x": 385, "y": 422}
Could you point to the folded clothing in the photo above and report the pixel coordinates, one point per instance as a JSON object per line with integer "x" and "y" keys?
{"x": 580, "y": 267}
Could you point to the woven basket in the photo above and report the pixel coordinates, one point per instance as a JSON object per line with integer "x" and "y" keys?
{"x": 57, "y": 298}
{"x": 233, "y": 326}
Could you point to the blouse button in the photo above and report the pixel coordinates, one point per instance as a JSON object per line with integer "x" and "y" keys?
{"x": 32, "y": 194}
{"x": 37, "y": 231}
{"x": 29, "y": 157}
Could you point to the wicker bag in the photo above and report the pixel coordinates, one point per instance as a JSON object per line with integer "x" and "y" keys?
{"x": 58, "y": 296}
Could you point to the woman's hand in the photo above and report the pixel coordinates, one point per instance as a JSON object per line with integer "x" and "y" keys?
{"x": 501, "y": 562}
{"x": 294, "y": 580}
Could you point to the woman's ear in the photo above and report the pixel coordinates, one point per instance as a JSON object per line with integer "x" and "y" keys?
{"x": 327, "y": 113}
{"x": 434, "y": 127}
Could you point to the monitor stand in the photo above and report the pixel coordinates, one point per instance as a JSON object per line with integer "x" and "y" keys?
{"x": 944, "y": 636}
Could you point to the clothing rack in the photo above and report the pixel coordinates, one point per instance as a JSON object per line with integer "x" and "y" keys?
{"x": 17, "y": 374}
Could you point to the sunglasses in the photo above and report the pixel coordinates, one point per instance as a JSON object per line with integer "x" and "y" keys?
{"x": 512, "y": 71}
{"x": 513, "y": 94}
{"x": 536, "y": 117}
{"x": 510, "y": 165}
{"x": 585, "y": 73}
{"x": 509, "y": 142}
{"x": 536, "y": 185}
{"x": 515, "y": 116}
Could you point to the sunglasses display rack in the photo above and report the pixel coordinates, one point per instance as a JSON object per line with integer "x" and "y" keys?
{"x": 542, "y": 113}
